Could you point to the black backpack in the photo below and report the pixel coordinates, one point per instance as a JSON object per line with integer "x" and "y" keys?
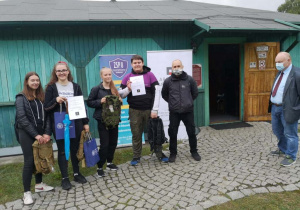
{"x": 156, "y": 133}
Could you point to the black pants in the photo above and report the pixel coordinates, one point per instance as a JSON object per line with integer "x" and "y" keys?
{"x": 188, "y": 120}
{"x": 74, "y": 145}
{"x": 108, "y": 143}
{"x": 26, "y": 142}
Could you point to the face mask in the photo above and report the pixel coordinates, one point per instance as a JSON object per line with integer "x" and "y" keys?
{"x": 177, "y": 72}
{"x": 279, "y": 66}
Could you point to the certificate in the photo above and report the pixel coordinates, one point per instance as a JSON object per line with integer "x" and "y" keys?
{"x": 138, "y": 85}
{"x": 76, "y": 108}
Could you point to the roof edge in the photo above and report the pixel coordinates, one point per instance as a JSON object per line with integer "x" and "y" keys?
{"x": 89, "y": 22}
{"x": 201, "y": 25}
{"x": 287, "y": 23}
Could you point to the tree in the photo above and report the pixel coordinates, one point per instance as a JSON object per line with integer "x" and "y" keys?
{"x": 290, "y": 6}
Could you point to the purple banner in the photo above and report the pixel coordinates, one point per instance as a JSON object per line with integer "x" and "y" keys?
{"x": 119, "y": 67}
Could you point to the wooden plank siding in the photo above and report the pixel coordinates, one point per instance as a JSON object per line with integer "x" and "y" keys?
{"x": 38, "y": 48}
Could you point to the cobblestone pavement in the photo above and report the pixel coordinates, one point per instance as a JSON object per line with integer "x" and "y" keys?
{"x": 235, "y": 163}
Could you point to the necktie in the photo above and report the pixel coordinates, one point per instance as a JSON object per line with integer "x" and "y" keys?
{"x": 277, "y": 85}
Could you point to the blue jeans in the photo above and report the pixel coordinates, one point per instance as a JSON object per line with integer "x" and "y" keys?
{"x": 286, "y": 133}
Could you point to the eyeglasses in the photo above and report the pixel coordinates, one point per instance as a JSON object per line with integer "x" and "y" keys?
{"x": 61, "y": 71}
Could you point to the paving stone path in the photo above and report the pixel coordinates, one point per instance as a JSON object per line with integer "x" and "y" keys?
{"x": 235, "y": 163}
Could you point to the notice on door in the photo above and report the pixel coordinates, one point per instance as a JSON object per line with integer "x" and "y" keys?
{"x": 197, "y": 74}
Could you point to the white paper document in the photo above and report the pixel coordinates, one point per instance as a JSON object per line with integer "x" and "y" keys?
{"x": 76, "y": 107}
{"x": 138, "y": 85}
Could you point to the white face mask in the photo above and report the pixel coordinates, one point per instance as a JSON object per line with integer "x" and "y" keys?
{"x": 177, "y": 72}
{"x": 279, "y": 66}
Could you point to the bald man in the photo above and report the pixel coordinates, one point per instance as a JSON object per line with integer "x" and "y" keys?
{"x": 284, "y": 106}
{"x": 179, "y": 91}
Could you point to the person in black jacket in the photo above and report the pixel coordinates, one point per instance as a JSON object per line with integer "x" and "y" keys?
{"x": 31, "y": 124}
{"x": 60, "y": 87}
{"x": 179, "y": 91}
{"x": 108, "y": 137}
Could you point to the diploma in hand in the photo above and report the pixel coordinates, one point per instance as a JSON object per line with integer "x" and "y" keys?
{"x": 76, "y": 107}
{"x": 138, "y": 85}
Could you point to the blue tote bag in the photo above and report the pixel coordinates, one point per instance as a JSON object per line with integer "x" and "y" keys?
{"x": 91, "y": 151}
{"x": 59, "y": 126}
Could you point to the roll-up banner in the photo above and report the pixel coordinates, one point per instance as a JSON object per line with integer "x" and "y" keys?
{"x": 160, "y": 63}
{"x": 120, "y": 65}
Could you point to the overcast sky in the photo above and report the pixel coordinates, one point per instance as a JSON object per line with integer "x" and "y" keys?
{"x": 255, "y": 4}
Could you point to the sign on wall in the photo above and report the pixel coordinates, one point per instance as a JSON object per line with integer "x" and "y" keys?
{"x": 121, "y": 66}
{"x": 197, "y": 74}
{"x": 160, "y": 63}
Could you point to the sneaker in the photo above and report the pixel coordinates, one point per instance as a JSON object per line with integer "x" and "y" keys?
{"x": 42, "y": 187}
{"x": 79, "y": 178}
{"x": 287, "y": 161}
{"x": 100, "y": 172}
{"x": 27, "y": 199}
{"x": 65, "y": 184}
{"x": 172, "y": 158}
{"x": 164, "y": 158}
{"x": 196, "y": 156}
{"x": 112, "y": 166}
{"x": 135, "y": 161}
{"x": 277, "y": 152}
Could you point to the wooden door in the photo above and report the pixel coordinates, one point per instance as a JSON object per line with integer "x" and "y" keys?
{"x": 260, "y": 72}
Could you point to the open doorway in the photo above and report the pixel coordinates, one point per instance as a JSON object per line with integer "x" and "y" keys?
{"x": 224, "y": 83}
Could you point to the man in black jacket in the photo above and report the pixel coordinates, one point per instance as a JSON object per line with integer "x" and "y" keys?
{"x": 179, "y": 91}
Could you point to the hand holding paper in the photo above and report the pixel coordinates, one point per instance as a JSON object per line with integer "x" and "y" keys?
{"x": 76, "y": 107}
{"x": 138, "y": 85}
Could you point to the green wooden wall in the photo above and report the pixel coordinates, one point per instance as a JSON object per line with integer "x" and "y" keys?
{"x": 38, "y": 48}
{"x": 25, "y": 48}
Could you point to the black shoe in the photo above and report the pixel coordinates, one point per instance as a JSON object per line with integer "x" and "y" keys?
{"x": 100, "y": 172}
{"x": 196, "y": 156}
{"x": 172, "y": 158}
{"x": 79, "y": 178}
{"x": 65, "y": 184}
{"x": 112, "y": 166}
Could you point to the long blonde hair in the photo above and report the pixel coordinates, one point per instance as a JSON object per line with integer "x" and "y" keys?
{"x": 112, "y": 86}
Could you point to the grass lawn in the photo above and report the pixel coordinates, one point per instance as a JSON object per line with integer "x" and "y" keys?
{"x": 11, "y": 186}
{"x": 269, "y": 201}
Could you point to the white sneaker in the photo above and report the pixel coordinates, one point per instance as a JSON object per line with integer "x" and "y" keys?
{"x": 27, "y": 198}
{"x": 42, "y": 187}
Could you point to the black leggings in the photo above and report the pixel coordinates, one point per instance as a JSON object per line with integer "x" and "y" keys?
{"x": 108, "y": 143}
{"x": 26, "y": 142}
{"x": 74, "y": 145}
{"x": 61, "y": 157}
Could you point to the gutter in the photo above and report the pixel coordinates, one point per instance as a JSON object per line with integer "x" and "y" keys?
{"x": 287, "y": 23}
{"x": 91, "y": 22}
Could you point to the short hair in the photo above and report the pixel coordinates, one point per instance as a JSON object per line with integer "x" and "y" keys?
{"x": 137, "y": 57}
